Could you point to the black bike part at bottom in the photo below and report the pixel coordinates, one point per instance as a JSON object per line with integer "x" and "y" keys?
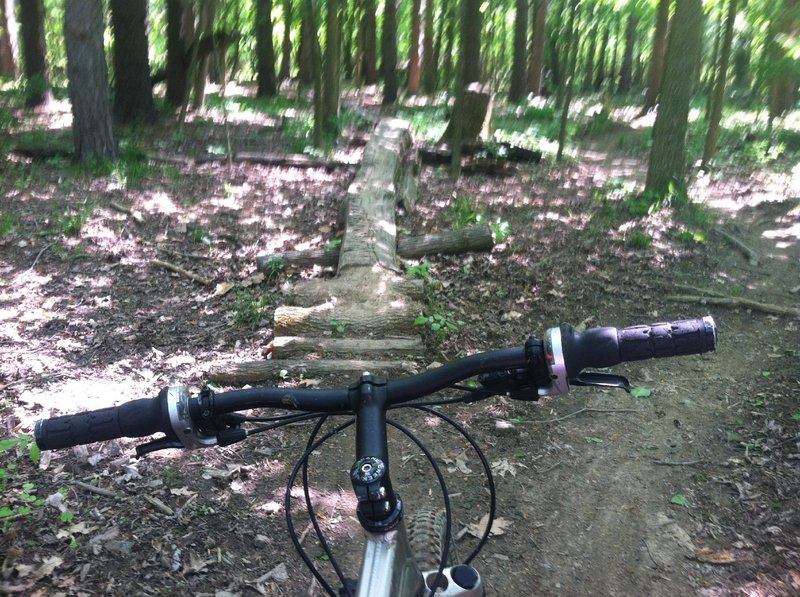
{"x": 608, "y": 346}
{"x": 137, "y": 418}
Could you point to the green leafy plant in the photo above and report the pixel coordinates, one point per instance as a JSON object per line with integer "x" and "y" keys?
{"x": 249, "y": 308}
{"x": 795, "y": 416}
{"x": 18, "y": 501}
{"x": 71, "y": 221}
{"x": 640, "y": 392}
{"x": 338, "y": 326}
{"x": 500, "y": 230}
{"x": 440, "y": 322}
{"x": 462, "y": 212}
{"x": 593, "y": 440}
{"x": 8, "y": 222}
{"x": 638, "y": 239}
{"x": 420, "y": 270}
{"x": 273, "y": 266}
{"x": 679, "y": 500}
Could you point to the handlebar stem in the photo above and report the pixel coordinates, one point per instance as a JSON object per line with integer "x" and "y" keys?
{"x": 379, "y": 507}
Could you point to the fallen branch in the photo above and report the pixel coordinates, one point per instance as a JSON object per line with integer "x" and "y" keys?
{"x": 735, "y": 302}
{"x": 97, "y": 490}
{"x": 584, "y": 410}
{"x": 668, "y": 463}
{"x": 133, "y": 213}
{"x": 185, "y": 273}
{"x": 751, "y": 255}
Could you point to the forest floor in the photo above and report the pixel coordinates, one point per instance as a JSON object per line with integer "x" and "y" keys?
{"x": 691, "y": 488}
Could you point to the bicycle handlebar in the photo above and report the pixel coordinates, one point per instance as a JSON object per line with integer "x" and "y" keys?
{"x": 545, "y": 366}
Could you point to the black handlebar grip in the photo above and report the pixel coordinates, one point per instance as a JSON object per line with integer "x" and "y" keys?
{"x": 676, "y": 338}
{"x": 605, "y": 347}
{"x": 132, "y": 419}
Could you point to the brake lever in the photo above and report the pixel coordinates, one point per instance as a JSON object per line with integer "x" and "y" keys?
{"x": 162, "y": 443}
{"x": 601, "y": 380}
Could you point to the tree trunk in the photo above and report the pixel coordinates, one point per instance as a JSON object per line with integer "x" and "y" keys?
{"x": 449, "y": 23}
{"x": 475, "y": 110}
{"x": 265, "y": 52}
{"x": 414, "y": 67}
{"x": 571, "y": 52}
{"x": 538, "y": 43}
{"x": 180, "y": 36}
{"x": 712, "y": 67}
{"x": 667, "y": 163}
{"x": 471, "y": 27}
{"x": 286, "y": 46}
{"x": 332, "y": 70}
{"x": 8, "y": 39}
{"x": 370, "y": 37}
{"x": 310, "y": 21}
{"x": 207, "y": 16}
{"x": 429, "y": 64}
{"x": 133, "y": 93}
{"x": 389, "y": 53}
{"x": 656, "y": 72}
{"x": 588, "y": 69}
{"x": 601, "y": 65}
{"x": 626, "y": 72}
{"x": 715, "y": 116}
{"x": 348, "y": 39}
{"x": 34, "y": 54}
{"x": 783, "y": 76}
{"x": 516, "y": 91}
{"x": 308, "y": 37}
{"x": 88, "y": 80}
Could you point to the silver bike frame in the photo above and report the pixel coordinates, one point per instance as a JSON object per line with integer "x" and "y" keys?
{"x": 390, "y": 570}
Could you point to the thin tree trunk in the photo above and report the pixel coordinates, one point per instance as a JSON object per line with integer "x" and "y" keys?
{"x": 414, "y": 67}
{"x": 428, "y": 62}
{"x": 207, "y": 15}
{"x": 601, "y": 65}
{"x": 285, "y": 71}
{"x": 265, "y": 52}
{"x": 471, "y": 40}
{"x": 332, "y": 69}
{"x": 370, "y": 67}
{"x": 519, "y": 63}
{"x": 656, "y": 72}
{"x": 310, "y": 20}
{"x": 308, "y": 39}
{"x": 8, "y": 39}
{"x": 34, "y": 54}
{"x": 449, "y": 40}
{"x": 180, "y": 36}
{"x": 133, "y": 93}
{"x": 389, "y": 53}
{"x": 712, "y": 136}
{"x": 626, "y": 72}
{"x": 538, "y": 43}
{"x": 667, "y": 163}
{"x": 571, "y": 52}
{"x": 712, "y": 67}
{"x": 88, "y": 80}
{"x": 588, "y": 69}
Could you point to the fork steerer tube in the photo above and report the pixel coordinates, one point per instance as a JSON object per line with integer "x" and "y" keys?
{"x": 379, "y": 508}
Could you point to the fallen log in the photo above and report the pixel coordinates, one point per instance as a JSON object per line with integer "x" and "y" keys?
{"x": 359, "y": 319}
{"x": 736, "y": 302}
{"x": 448, "y": 242}
{"x": 293, "y": 347}
{"x": 292, "y": 160}
{"x": 259, "y": 371}
{"x": 442, "y": 155}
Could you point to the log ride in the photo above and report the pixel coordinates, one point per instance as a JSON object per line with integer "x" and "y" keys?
{"x": 367, "y": 303}
{"x": 447, "y": 242}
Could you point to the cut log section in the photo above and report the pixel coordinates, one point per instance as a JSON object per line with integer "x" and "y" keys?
{"x": 294, "y": 347}
{"x": 260, "y": 371}
{"x": 361, "y": 285}
{"x": 355, "y": 319}
{"x": 448, "y": 242}
{"x": 477, "y": 111}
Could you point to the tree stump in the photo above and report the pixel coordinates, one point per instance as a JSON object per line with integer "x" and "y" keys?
{"x": 476, "y": 108}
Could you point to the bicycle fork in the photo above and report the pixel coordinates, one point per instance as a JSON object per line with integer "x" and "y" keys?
{"x": 389, "y": 567}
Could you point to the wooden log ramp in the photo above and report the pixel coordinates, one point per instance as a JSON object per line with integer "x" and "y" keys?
{"x": 363, "y": 318}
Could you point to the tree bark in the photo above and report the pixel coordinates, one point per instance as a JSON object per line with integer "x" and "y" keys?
{"x": 370, "y": 39}
{"x": 538, "y": 44}
{"x": 783, "y": 76}
{"x": 310, "y": 22}
{"x": 414, "y": 67}
{"x": 656, "y": 72}
{"x": 380, "y": 319}
{"x": 298, "y": 347}
{"x": 206, "y": 18}
{"x": 448, "y": 242}
{"x": 34, "y": 54}
{"x": 133, "y": 93}
{"x": 265, "y": 51}
{"x": 429, "y": 64}
{"x": 88, "y": 80}
{"x": 471, "y": 27}
{"x": 389, "y": 53}
{"x": 572, "y": 59}
{"x": 474, "y": 109}
{"x": 258, "y": 371}
{"x": 286, "y": 47}
{"x": 626, "y": 72}
{"x": 519, "y": 65}
{"x": 308, "y": 36}
{"x": 715, "y": 116}
{"x": 667, "y": 163}
{"x": 588, "y": 69}
{"x": 8, "y": 39}
{"x": 332, "y": 70}
{"x": 180, "y": 36}
{"x": 601, "y": 65}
